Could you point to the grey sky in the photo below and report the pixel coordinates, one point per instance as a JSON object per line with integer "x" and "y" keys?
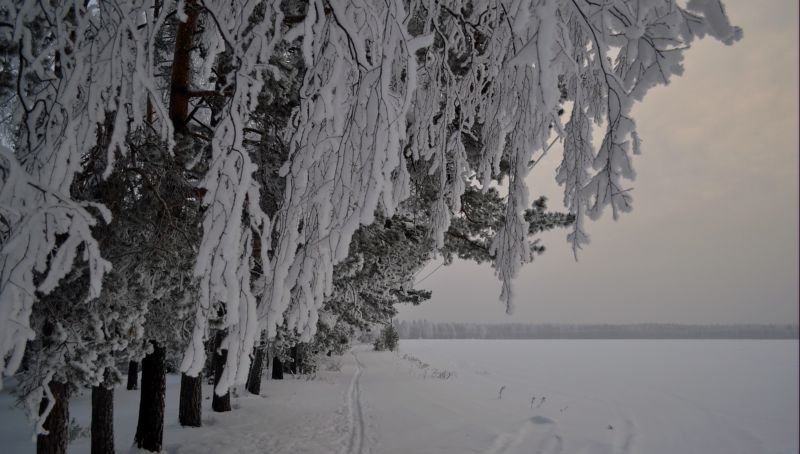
{"x": 713, "y": 237}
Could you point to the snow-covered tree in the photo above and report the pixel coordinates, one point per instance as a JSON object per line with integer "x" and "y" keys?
{"x": 387, "y": 339}
{"x": 473, "y": 89}
{"x": 502, "y": 69}
{"x": 67, "y": 86}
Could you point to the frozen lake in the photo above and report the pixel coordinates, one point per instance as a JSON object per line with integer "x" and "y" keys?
{"x": 654, "y": 396}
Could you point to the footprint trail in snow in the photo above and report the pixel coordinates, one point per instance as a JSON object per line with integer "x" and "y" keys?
{"x": 537, "y": 432}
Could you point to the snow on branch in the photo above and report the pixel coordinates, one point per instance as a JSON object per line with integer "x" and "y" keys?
{"x": 75, "y": 64}
{"x": 473, "y": 88}
{"x": 495, "y": 71}
{"x": 233, "y": 211}
{"x": 346, "y": 157}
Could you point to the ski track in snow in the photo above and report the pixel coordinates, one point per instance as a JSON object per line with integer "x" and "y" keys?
{"x": 356, "y": 436}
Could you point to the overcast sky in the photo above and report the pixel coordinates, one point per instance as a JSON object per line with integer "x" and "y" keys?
{"x": 713, "y": 237}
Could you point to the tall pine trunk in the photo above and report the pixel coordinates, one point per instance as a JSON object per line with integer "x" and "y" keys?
{"x": 55, "y": 442}
{"x": 295, "y": 360}
{"x": 220, "y": 403}
{"x": 133, "y": 375}
{"x": 150, "y": 429}
{"x": 190, "y": 407}
{"x": 277, "y": 368}
{"x": 256, "y": 368}
{"x": 103, "y": 419}
{"x": 181, "y": 68}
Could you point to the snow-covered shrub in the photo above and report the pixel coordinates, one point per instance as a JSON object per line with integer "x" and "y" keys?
{"x": 442, "y": 374}
{"x": 331, "y": 363}
{"x": 387, "y": 339}
{"x": 427, "y": 370}
{"x": 75, "y": 431}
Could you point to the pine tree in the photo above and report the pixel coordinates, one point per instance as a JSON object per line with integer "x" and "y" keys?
{"x": 453, "y": 88}
{"x": 387, "y": 339}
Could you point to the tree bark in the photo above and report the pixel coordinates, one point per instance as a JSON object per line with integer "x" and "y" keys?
{"x": 55, "y": 442}
{"x": 220, "y": 403}
{"x": 133, "y": 375}
{"x": 102, "y": 419}
{"x": 150, "y": 429}
{"x": 277, "y": 368}
{"x": 181, "y": 64}
{"x": 190, "y": 408}
{"x": 256, "y": 368}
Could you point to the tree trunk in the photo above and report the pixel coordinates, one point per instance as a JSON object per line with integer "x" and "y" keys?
{"x": 102, "y": 419}
{"x": 55, "y": 442}
{"x": 150, "y": 429}
{"x": 190, "y": 407}
{"x": 277, "y": 368}
{"x": 220, "y": 403}
{"x": 181, "y": 65}
{"x": 298, "y": 360}
{"x": 256, "y": 368}
{"x": 295, "y": 360}
{"x": 208, "y": 367}
{"x": 133, "y": 375}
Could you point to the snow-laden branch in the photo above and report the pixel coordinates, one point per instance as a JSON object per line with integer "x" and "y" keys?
{"x": 76, "y": 65}
{"x": 232, "y": 195}
{"x": 381, "y": 77}
{"x": 499, "y": 71}
{"x": 346, "y": 156}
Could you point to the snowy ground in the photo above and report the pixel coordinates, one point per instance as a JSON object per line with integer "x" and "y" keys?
{"x": 494, "y": 397}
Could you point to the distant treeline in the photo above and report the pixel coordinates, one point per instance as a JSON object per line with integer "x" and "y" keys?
{"x": 424, "y": 329}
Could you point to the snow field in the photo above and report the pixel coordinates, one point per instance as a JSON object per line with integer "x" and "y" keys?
{"x": 495, "y": 397}
{"x": 626, "y": 396}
